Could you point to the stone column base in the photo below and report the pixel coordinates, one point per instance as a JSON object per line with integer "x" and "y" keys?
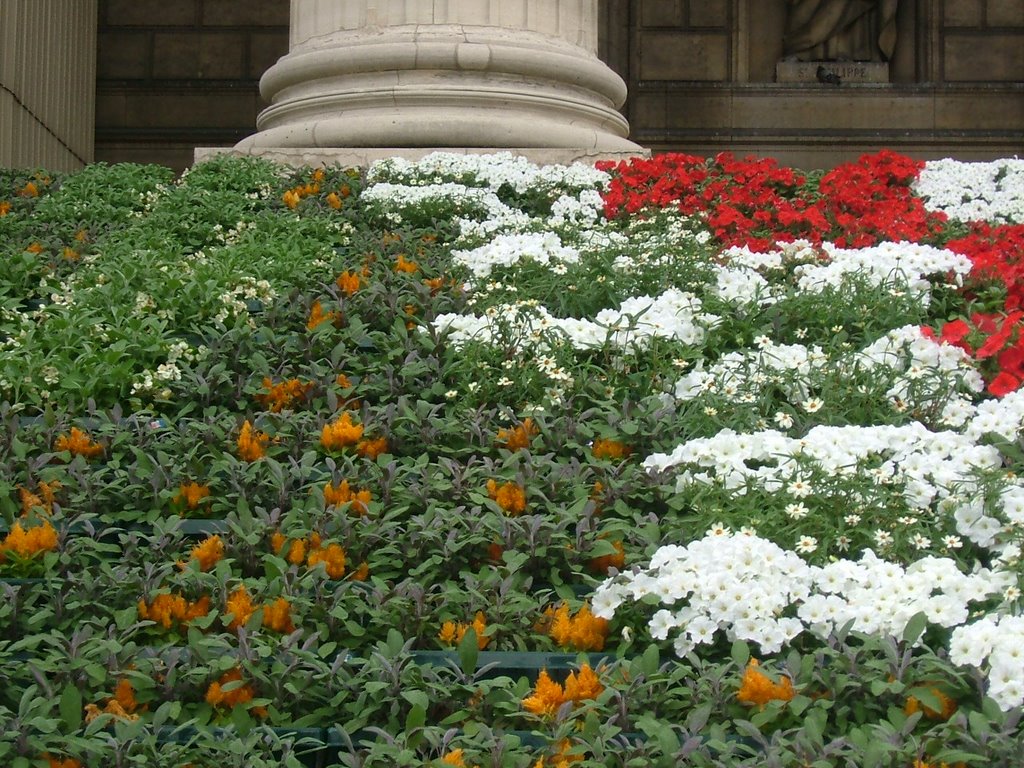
{"x": 352, "y": 157}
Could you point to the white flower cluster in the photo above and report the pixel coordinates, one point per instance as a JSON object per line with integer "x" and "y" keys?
{"x": 754, "y": 590}
{"x": 490, "y": 170}
{"x": 394, "y": 199}
{"x": 580, "y": 211}
{"x": 898, "y": 266}
{"x": 506, "y": 250}
{"x": 1004, "y": 417}
{"x": 937, "y": 472}
{"x": 999, "y": 641}
{"x": 672, "y": 315}
{"x": 735, "y": 373}
{"x": 928, "y": 372}
{"x": 233, "y": 302}
{"x": 974, "y": 191}
{"x": 738, "y": 583}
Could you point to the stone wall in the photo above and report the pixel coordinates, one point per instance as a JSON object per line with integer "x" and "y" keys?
{"x": 174, "y": 74}
{"x": 46, "y": 76}
{"x": 701, "y": 78}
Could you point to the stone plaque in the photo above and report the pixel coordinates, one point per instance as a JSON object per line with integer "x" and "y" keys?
{"x": 832, "y": 72}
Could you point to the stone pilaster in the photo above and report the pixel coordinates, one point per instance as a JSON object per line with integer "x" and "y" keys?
{"x": 442, "y": 73}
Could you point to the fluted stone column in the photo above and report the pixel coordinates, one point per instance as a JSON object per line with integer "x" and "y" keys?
{"x": 442, "y": 73}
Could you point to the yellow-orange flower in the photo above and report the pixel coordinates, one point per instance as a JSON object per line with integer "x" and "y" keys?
{"x": 343, "y": 494}
{"x": 121, "y": 705}
{"x": 291, "y": 198}
{"x": 582, "y": 632}
{"x": 285, "y": 394}
{"x": 317, "y": 316}
{"x": 29, "y": 190}
{"x": 341, "y": 433}
{"x": 757, "y": 689}
{"x": 404, "y": 265}
{"x": 70, "y": 254}
{"x": 43, "y": 500}
{"x": 208, "y": 552}
{"x": 334, "y": 201}
{"x": 168, "y": 609}
{"x": 454, "y": 758}
{"x": 372, "y": 448}
{"x": 35, "y": 248}
{"x": 78, "y": 443}
{"x": 548, "y": 696}
{"x": 57, "y": 762}
{"x": 452, "y": 632}
{"x": 240, "y": 606}
{"x": 28, "y": 542}
{"x": 518, "y": 437}
{"x": 511, "y": 497}
{"x": 349, "y": 282}
{"x": 362, "y": 573}
{"x": 5, "y": 208}
{"x": 610, "y": 449}
{"x": 191, "y": 495}
{"x": 563, "y": 758}
{"x": 217, "y": 696}
{"x": 252, "y": 444}
{"x": 333, "y": 558}
{"x": 278, "y": 616}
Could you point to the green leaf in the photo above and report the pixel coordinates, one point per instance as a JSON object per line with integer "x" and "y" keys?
{"x": 415, "y": 719}
{"x": 915, "y": 628}
{"x": 740, "y": 653}
{"x": 651, "y": 660}
{"x": 71, "y": 707}
{"x": 469, "y": 651}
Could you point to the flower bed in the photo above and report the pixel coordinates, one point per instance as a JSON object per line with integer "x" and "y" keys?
{"x": 480, "y": 463}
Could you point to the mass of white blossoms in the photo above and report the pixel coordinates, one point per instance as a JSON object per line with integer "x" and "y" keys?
{"x": 505, "y": 250}
{"x": 394, "y": 199}
{"x": 530, "y": 327}
{"x": 974, "y": 191}
{"x": 753, "y": 590}
{"x": 936, "y": 472}
{"x": 995, "y": 644}
{"x": 492, "y": 171}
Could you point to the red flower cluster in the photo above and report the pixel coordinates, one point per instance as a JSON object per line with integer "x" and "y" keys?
{"x": 997, "y": 253}
{"x": 1001, "y": 342}
{"x": 755, "y": 203}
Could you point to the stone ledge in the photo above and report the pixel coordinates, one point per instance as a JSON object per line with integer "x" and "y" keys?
{"x": 362, "y": 157}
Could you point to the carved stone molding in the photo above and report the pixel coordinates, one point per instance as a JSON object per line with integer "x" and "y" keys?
{"x": 442, "y": 73}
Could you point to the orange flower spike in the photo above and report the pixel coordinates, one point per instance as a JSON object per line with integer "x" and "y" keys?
{"x": 515, "y": 438}
{"x": 124, "y": 694}
{"x": 69, "y": 254}
{"x": 362, "y": 573}
{"x": 547, "y": 696}
{"x": 404, "y": 265}
{"x": 278, "y": 617}
{"x": 511, "y": 497}
{"x": 371, "y": 449}
{"x": 317, "y": 317}
{"x": 291, "y": 198}
{"x": 43, "y": 500}
{"x": 343, "y": 381}
{"x": 283, "y": 395}
{"x": 583, "y": 685}
{"x": 480, "y": 626}
{"x": 252, "y": 444}
{"x": 209, "y": 552}
{"x": 756, "y": 688}
{"x": 341, "y": 433}
{"x": 216, "y": 696}
{"x": 349, "y": 282}
{"x": 29, "y": 190}
{"x": 277, "y": 540}
{"x": 602, "y": 563}
{"x": 454, "y": 758}
{"x": 5, "y": 208}
{"x": 35, "y": 248}
{"x": 78, "y": 443}
{"x": 27, "y": 542}
{"x": 609, "y": 449}
{"x": 334, "y": 201}
{"x": 333, "y": 558}
{"x": 240, "y": 606}
{"x": 56, "y": 762}
{"x": 191, "y": 494}
{"x": 449, "y": 633}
